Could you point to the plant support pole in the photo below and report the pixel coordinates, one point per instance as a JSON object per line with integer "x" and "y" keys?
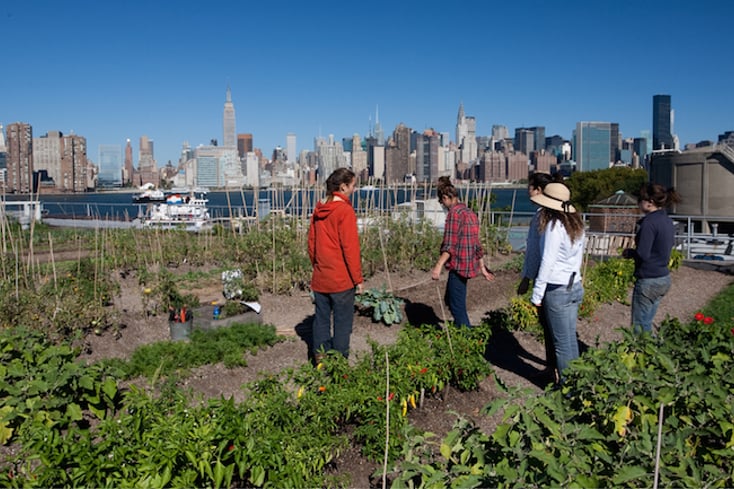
{"x": 387, "y": 419}
{"x": 657, "y": 451}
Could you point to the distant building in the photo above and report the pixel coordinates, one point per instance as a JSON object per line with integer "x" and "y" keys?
{"x": 330, "y": 155}
{"x": 217, "y": 167}
{"x": 397, "y": 155}
{"x": 110, "y": 166}
{"x": 19, "y": 158}
{"x": 129, "y": 167}
{"x": 290, "y": 147}
{"x": 427, "y": 156}
{"x": 639, "y": 147}
{"x": 662, "y": 131}
{"x": 147, "y": 167}
{"x": 75, "y": 171}
{"x": 596, "y": 145}
{"x": 466, "y": 136}
{"x": 359, "y": 159}
{"x": 244, "y": 144}
{"x": 542, "y": 161}
{"x": 529, "y": 139}
{"x": 47, "y": 153}
{"x": 228, "y": 122}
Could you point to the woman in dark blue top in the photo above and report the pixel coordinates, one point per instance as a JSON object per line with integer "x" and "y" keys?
{"x": 654, "y": 241}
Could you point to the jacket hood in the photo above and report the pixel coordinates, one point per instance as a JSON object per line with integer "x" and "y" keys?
{"x": 325, "y": 209}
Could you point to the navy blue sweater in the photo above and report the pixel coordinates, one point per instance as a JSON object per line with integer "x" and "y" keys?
{"x": 654, "y": 241}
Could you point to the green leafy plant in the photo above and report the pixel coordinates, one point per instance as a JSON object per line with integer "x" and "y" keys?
{"x": 381, "y": 304}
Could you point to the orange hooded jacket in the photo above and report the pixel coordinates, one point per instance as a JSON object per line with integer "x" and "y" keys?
{"x": 333, "y": 247}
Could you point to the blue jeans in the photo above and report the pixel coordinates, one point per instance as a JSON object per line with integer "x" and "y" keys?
{"x": 646, "y": 297}
{"x": 561, "y": 308}
{"x": 341, "y": 306}
{"x": 456, "y": 299}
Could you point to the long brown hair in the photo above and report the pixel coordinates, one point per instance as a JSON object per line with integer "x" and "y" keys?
{"x": 571, "y": 221}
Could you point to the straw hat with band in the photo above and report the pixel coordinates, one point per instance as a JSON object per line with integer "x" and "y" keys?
{"x": 555, "y": 196}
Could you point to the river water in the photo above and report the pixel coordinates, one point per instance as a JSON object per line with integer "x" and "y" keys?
{"x": 224, "y": 204}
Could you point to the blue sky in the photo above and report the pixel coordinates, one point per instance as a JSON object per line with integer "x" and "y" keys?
{"x": 116, "y": 70}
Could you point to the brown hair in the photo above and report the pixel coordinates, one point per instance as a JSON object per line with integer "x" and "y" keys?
{"x": 445, "y": 188}
{"x": 658, "y": 195}
{"x": 571, "y": 221}
{"x": 336, "y": 179}
{"x": 539, "y": 180}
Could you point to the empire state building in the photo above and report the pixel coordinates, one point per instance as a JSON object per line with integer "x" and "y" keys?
{"x": 230, "y": 132}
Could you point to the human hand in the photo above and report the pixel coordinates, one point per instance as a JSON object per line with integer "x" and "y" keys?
{"x": 436, "y": 273}
{"x": 360, "y": 288}
{"x": 523, "y": 287}
{"x": 488, "y": 274}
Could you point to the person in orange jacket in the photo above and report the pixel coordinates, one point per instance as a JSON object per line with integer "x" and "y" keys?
{"x": 333, "y": 247}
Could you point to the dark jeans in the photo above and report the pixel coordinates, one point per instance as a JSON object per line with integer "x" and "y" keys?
{"x": 456, "y": 299}
{"x": 341, "y": 306}
{"x": 646, "y": 297}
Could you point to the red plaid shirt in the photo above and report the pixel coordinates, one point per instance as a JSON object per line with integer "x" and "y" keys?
{"x": 461, "y": 241}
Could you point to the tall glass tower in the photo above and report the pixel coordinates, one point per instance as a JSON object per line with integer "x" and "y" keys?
{"x": 594, "y": 145}
{"x": 110, "y": 165}
{"x": 662, "y": 134}
{"x": 230, "y": 133}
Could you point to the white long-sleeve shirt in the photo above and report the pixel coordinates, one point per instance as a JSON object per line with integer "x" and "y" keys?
{"x": 559, "y": 259}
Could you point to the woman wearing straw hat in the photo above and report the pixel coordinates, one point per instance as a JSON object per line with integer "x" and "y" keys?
{"x": 537, "y": 181}
{"x": 557, "y": 287}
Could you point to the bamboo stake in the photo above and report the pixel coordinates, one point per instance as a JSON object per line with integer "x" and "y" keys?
{"x": 443, "y": 316}
{"x": 53, "y": 261}
{"x": 229, "y": 209}
{"x": 657, "y": 451}
{"x": 387, "y": 419}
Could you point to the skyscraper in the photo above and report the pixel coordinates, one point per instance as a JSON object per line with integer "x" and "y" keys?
{"x": 129, "y": 169}
{"x": 244, "y": 144}
{"x": 427, "y": 156}
{"x": 230, "y": 133}
{"x": 47, "y": 153}
{"x": 110, "y": 165}
{"x": 74, "y": 164}
{"x": 466, "y": 136}
{"x": 397, "y": 155}
{"x": 662, "y": 134}
{"x": 147, "y": 168}
{"x": 19, "y": 157}
{"x": 596, "y": 145}
{"x": 290, "y": 147}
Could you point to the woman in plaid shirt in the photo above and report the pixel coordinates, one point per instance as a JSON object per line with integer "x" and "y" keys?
{"x": 461, "y": 251}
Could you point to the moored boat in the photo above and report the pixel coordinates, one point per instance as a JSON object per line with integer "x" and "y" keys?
{"x": 148, "y": 193}
{"x": 187, "y": 212}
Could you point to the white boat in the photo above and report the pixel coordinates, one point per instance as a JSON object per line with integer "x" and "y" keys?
{"x": 148, "y": 193}
{"x": 186, "y": 212}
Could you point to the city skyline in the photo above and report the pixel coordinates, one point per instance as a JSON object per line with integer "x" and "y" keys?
{"x": 110, "y": 74}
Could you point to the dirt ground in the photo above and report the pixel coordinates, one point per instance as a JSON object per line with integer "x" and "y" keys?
{"x": 516, "y": 358}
